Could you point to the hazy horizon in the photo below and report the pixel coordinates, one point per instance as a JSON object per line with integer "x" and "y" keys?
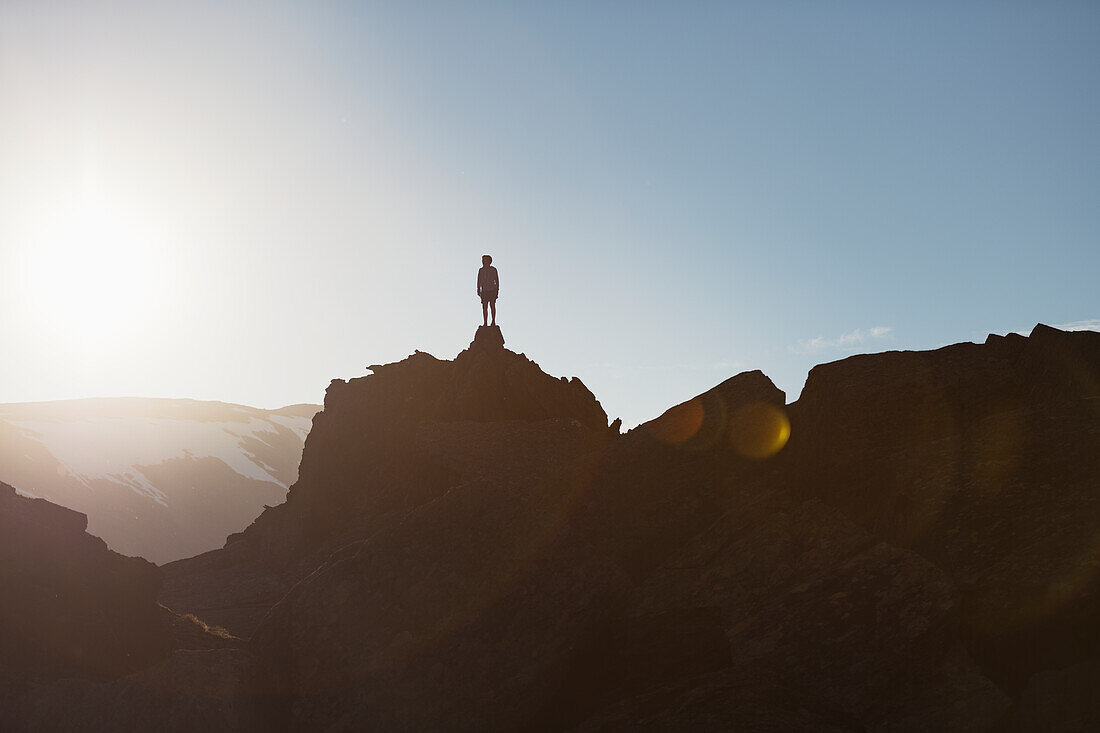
{"x": 240, "y": 202}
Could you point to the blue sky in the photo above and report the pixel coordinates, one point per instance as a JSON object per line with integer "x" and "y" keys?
{"x": 258, "y": 197}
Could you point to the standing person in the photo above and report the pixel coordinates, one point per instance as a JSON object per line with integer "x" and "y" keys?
{"x": 488, "y": 285}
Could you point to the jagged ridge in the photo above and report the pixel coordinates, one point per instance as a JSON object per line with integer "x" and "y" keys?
{"x": 469, "y": 547}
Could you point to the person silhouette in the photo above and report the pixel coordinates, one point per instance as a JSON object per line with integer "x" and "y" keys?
{"x": 488, "y": 285}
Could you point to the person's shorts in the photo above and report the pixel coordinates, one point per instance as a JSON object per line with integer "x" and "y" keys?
{"x": 488, "y": 296}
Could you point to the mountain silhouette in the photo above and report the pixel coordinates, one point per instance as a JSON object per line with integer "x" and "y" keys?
{"x": 70, "y": 607}
{"x": 912, "y": 545}
{"x": 160, "y": 478}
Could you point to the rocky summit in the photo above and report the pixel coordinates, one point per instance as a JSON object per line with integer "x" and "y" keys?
{"x": 912, "y": 545}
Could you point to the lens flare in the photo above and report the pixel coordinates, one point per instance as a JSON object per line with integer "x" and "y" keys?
{"x": 678, "y": 424}
{"x": 759, "y": 430}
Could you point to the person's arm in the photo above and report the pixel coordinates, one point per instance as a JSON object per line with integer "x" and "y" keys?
{"x": 479, "y": 283}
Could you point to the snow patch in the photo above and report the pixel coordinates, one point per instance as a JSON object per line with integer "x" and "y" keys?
{"x": 110, "y": 448}
{"x": 300, "y": 425}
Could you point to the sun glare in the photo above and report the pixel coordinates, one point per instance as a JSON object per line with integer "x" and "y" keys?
{"x": 91, "y": 276}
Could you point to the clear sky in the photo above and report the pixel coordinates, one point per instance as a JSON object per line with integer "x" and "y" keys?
{"x": 243, "y": 201}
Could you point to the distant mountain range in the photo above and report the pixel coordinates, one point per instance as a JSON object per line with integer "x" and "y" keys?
{"x": 159, "y": 478}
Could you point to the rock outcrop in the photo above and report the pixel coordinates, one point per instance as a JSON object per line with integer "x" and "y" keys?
{"x": 984, "y": 459}
{"x": 361, "y": 470}
{"x": 84, "y": 645}
{"x": 71, "y": 610}
{"x": 70, "y": 607}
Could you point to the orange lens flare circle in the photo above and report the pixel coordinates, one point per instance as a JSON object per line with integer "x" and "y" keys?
{"x": 678, "y": 424}
{"x": 759, "y": 430}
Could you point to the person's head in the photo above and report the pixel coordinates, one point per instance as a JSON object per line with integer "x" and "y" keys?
{"x": 486, "y": 260}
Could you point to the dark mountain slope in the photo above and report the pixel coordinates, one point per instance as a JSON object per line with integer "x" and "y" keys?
{"x": 68, "y": 605}
{"x": 985, "y": 459}
{"x": 84, "y": 646}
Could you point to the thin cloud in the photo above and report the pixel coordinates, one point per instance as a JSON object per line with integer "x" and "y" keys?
{"x": 1089, "y": 324}
{"x": 695, "y": 367}
{"x": 845, "y": 342}
{"x": 1092, "y": 324}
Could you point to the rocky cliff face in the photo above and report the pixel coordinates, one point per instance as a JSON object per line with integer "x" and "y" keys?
{"x": 84, "y": 646}
{"x": 361, "y": 469}
{"x": 985, "y": 460}
{"x": 69, "y": 607}
{"x": 470, "y": 547}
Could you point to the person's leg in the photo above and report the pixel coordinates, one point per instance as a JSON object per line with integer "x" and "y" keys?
{"x": 485, "y": 312}
{"x": 493, "y": 305}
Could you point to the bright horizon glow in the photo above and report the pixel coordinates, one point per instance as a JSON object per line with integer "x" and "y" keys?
{"x": 240, "y": 202}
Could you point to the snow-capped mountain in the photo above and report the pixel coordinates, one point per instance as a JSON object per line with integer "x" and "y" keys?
{"x": 163, "y": 479}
